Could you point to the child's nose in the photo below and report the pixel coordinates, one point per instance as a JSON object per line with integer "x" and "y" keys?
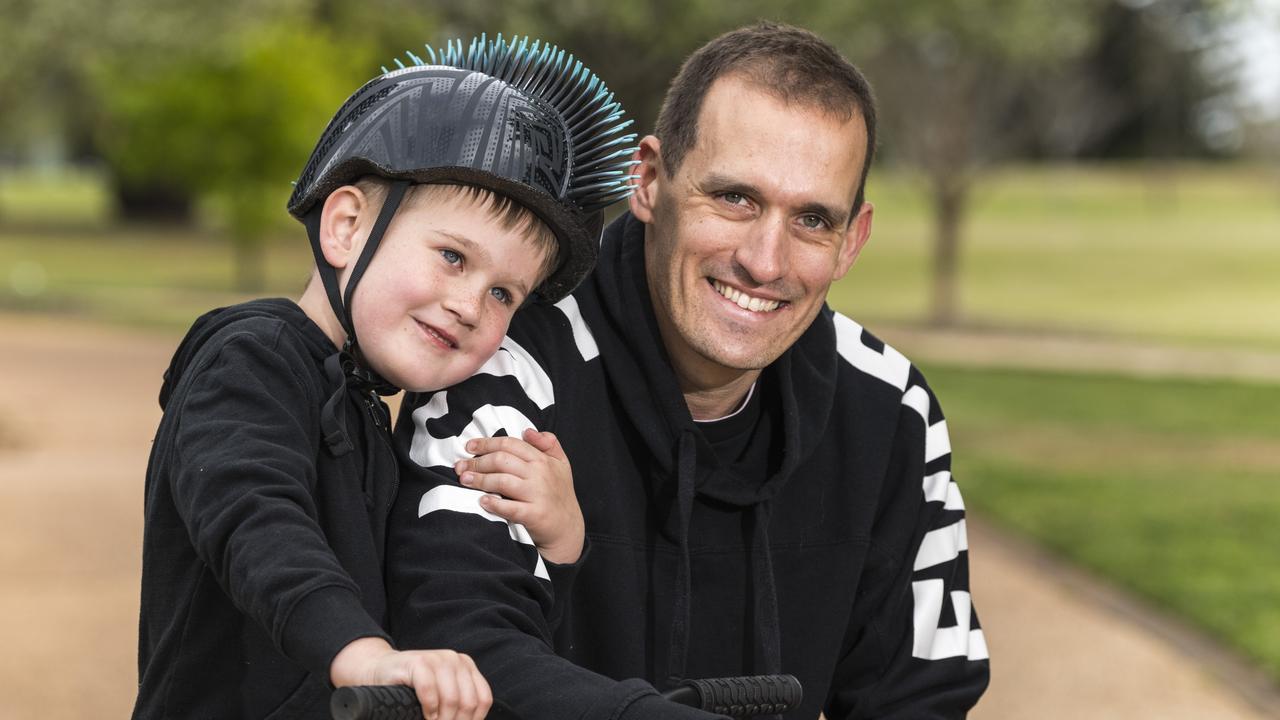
{"x": 466, "y": 303}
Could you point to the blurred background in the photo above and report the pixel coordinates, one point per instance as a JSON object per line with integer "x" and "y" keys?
{"x": 1077, "y": 236}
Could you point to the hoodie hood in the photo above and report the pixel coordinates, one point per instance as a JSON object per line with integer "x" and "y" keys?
{"x": 345, "y": 374}
{"x": 211, "y": 323}
{"x": 803, "y": 377}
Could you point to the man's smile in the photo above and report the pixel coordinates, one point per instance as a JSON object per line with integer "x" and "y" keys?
{"x": 745, "y": 301}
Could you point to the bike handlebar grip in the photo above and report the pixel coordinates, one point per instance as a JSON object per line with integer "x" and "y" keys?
{"x": 747, "y": 696}
{"x": 734, "y": 696}
{"x": 375, "y": 702}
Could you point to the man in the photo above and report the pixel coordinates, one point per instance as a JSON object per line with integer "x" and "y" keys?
{"x": 766, "y": 486}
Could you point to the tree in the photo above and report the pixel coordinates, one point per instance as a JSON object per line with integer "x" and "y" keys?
{"x": 949, "y": 75}
{"x": 963, "y": 83}
{"x": 222, "y": 98}
{"x": 52, "y": 56}
{"x": 1143, "y": 87}
{"x": 237, "y": 122}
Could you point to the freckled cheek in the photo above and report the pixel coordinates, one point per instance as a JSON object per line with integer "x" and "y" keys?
{"x": 489, "y": 346}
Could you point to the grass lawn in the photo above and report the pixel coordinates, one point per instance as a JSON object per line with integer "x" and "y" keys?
{"x": 1186, "y": 255}
{"x": 60, "y": 251}
{"x": 153, "y": 278}
{"x": 1171, "y": 488}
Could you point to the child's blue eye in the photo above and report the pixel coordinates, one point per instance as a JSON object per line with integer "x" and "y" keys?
{"x": 501, "y": 294}
{"x": 451, "y": 257}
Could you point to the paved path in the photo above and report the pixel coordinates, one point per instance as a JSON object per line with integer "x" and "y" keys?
{"x": 76, "y": 417}
{"x": 1065, "y": 647}
{"x": 1079, "y": 352}
{"x": 1086, "y": 353}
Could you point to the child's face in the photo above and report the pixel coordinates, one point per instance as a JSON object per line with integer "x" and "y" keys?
{"x": 436, "y": 300}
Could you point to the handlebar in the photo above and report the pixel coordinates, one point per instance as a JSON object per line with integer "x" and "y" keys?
{"x": 738, "y": 697}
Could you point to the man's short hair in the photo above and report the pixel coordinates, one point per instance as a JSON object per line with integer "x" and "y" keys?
{"x": 792, "y": 63}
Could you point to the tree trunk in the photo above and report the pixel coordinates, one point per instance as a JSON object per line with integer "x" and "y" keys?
{"x": 949, "y": 201}
{"x": 153, "y": 202}
{"x": 249, "y": 258}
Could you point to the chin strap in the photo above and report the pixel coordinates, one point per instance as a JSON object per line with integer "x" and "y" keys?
{"x": 394, "y": 195}
{"x": 346, "y": 369}
{"x": 329, "y": 275}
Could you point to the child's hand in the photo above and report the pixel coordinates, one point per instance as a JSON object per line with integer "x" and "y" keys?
{"x": 536, "y": 484}
{"x": 448, "y": 685}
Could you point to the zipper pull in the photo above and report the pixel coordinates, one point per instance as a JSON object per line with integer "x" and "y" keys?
{"x": 377, "y": 411}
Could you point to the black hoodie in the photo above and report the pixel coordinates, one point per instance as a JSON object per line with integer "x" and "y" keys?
{"x": 265, "y": 520}
{"x": 842, "y": 561}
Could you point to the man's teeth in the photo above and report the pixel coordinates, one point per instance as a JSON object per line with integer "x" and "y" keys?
{"x": 745, "y": 301}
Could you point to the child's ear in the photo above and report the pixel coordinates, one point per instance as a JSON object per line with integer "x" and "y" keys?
{"x": 648, "y": 174}
{"x": 340, "y": 225}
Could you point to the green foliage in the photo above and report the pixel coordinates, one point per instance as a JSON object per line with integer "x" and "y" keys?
{"x": 636, "y": 48}
{"x": 50, "y": 51}
{"x": 221, "y": 100}
{"x": 234, "y": 119}
{"x": 237, "y": 122}
{"x": 1021, "y": 33}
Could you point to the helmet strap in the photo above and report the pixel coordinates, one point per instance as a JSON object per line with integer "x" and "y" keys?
{"x": 394, "y": 195}
{"x": 329, "y": 275}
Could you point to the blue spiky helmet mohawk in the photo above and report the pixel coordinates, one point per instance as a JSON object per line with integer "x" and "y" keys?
{"x": 521, "y": 118}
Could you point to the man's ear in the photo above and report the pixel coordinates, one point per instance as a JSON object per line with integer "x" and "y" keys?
{"x": 649, "y": 175}
{"x": 855, "y": 237}
{"x": 340, "y": 225}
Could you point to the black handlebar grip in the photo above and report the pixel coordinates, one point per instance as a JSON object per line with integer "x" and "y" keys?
{"x": 391, "y": 702}
{"x": 743, "y": 696}
{"x": 734, "y": 696}
{"x": 375, "y": 702}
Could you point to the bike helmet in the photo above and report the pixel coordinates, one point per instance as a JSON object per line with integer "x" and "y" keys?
{"x": 522, "y": 119}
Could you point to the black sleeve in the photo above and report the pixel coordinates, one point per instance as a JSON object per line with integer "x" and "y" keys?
{"x": 461, "y": 578}
{"x": 563, "y": 575}
{"x": 914, "y": 648}
{"x": 244, "y": 483}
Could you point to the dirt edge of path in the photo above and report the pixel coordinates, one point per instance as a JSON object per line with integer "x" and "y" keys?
{"x": 1225, "y": 665}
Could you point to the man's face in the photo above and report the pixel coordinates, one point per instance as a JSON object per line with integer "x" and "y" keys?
{"x": 743, "y": 242}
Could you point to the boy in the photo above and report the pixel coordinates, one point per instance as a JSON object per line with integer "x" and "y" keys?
{"x": 272, "y": 471}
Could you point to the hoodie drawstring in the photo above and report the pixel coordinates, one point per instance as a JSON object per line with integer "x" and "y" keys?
{"x": 686, "y": 464}
{"x": 333, "y": 416}
{"x": 768, "y": 650}
{"x": 343, "y": 369}
{"x": 344, "y": 374}
{"x": 768, "y": 659}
